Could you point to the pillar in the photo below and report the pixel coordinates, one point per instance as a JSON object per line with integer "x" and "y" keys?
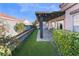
{"x": 41, "y": 27}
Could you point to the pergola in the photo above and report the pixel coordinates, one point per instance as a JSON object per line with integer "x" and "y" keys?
{"x": 46, "y": 16}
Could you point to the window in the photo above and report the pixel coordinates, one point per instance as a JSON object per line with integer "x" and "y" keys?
{"x": 76, "y": 22}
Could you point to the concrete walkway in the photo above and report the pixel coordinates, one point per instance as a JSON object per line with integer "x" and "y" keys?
{"x": 47, "y": 35}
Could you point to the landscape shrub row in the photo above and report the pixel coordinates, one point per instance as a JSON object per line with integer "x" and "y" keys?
{"x": 5, "y": 51}
{"x": 8, "y": 43}
{"x": 67, "y": 42}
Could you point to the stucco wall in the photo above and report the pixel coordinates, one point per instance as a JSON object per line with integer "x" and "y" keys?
{"x": 69, "y": 18}
{"x": 61, "y": 22}
{"x": 9, "y": 25}
{"x": 55, "y": 24}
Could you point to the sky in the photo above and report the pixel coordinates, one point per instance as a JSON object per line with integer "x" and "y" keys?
{"x": 27, "y": 10}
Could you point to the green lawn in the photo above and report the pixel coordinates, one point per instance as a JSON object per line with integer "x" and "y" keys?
{"x": 30, "y": 47}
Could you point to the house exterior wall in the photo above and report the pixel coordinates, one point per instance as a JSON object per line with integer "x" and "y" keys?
{"x": 55, "y": 23}
{"x": 61, "y": 22}
{"x": 69, "y": 18}
{"x": 9, "y": 26}
{"x": 9, "y": 23}
{"x": 65, "y": 6}
{"x": 76, "y": 22}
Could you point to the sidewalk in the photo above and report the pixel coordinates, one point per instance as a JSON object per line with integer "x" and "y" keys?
{"x": 47, "y": 35}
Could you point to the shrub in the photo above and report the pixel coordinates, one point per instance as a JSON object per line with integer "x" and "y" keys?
{"x": 4, "y": 39}
{"x": 19, "y": 27}
{"x": 4, "y": 51}
{"x": 67, "y": 42}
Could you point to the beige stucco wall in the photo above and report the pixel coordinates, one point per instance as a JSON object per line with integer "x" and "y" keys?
{"x": 49, "y": 25}
{"x": 61, "y": 22}
{"x": 55, "y": 24}
{"x": 69, "y": 18}
{"x": 9, "y": 25}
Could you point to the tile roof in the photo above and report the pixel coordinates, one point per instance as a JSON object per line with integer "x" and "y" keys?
{"x": 7, "y": 17}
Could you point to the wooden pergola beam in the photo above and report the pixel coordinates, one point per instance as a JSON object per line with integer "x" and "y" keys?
{"x": 48, "y": 16}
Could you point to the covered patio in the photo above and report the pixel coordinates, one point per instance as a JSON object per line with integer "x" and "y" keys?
{"x": 48, "y": 21}
{"x": 43, "y": 33}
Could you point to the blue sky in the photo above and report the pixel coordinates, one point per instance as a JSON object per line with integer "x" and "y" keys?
{"x": 27, "y": 10}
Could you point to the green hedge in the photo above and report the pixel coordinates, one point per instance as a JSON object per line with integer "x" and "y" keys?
{"x": 67, "y": 42}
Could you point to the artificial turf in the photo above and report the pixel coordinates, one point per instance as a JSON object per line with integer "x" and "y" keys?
{"x": 30, "y": 47}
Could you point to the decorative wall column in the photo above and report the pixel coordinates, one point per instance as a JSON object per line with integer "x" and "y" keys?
{"x": 48, "y": 25}
{"x": 56, "y": 24}
{"x": 51, "y": 26}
